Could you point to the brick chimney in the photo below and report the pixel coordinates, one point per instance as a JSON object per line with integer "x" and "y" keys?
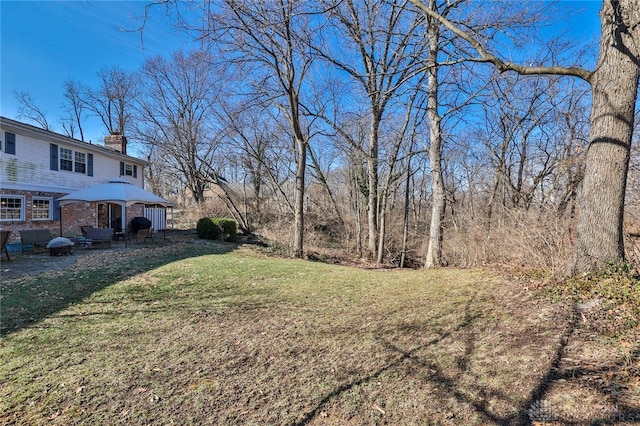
{"x": 116, "y": 141}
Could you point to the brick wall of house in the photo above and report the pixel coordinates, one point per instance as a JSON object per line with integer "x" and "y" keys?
{"x": 76, "y": 215}
{"x": 135, "y": 210}
{"x": 72, "y": 216}
{"x": 29, "y": 223}
{"x": 79, "y": 214}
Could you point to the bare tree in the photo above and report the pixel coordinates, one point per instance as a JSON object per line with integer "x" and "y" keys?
{"x": 434, "y": 249}
{"x": 74, "y": 108}
{"x": 574, "y": 132}
{"x": 519, "y": 122}
{"x": 267, "y": 41}
{"x": 112, "y": 100}
{"x": 403, "y": 136}
{"x": 383, "y": 36}
{"x": 262, "y": 153}
{"x": 438, "y": 57}
{"x": 177, "y": 116}
{"x": 599, "y": 231}
{"x": 28, "y": 109}
{"x": 320, "y": 174}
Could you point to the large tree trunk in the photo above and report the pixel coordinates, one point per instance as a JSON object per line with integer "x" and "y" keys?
{"x": 372, "y": 212}
{"x": 405, "y": 221}
{"x": 355, "y": 208}
{"x": 614, "y": 84}
{"x": 434, "y": 250}
{"x": 298, "y": 238}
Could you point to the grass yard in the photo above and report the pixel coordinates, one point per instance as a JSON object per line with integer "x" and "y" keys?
{"x": 206, "y": 334}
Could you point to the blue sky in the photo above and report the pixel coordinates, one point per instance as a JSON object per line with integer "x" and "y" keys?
{"x": 45, "y": 43}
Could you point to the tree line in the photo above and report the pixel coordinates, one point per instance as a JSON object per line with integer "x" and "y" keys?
{"x": 399, "y": 131}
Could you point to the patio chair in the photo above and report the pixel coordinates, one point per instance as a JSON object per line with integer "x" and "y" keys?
{"x": 84, "y": 229}
{"x": 100, "y": 236}
{"x": 140, "y": 228}
{"x": 144, "y": 234}
{"x": 4, "y": 239}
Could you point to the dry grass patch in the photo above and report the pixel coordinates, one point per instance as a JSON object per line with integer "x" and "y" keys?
{"x": 240, "y": 338}
{"x": 597, "y": 379}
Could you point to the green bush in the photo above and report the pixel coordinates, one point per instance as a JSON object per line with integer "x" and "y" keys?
{"x": 207, "y": 229}
{"x": 212, "y": 228}
{"x": 228, "y": 226}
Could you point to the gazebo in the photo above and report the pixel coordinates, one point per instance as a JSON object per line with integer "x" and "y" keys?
{"x": 117, "y": 191}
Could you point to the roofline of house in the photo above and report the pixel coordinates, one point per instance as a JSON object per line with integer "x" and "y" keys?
{"x": 57, "y": 137}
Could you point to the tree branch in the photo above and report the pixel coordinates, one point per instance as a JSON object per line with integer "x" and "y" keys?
{"x": 502, "y": 66}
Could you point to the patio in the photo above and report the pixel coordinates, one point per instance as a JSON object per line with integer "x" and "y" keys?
{"x": 41, "y": 262}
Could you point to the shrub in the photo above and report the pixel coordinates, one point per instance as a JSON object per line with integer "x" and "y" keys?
{"x": 207, "y": 229}
{"x": 228, "y": 226}
{"x": 212, "y": 228}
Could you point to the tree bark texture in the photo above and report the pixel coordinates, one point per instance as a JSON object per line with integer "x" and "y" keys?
{"x": 355, "y": 208}
{"x": 298, "y": 238}
{"x": 372, "y": 207}
{"x": 434, "y": 249}
{"x": 614, "y": 86}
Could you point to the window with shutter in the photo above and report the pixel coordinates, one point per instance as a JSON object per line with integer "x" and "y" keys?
{"x": 42, "y": 208}
{"x": 89, "y": 164}
{"x": 9, "y": 143}
{"x": 53, "y": 156}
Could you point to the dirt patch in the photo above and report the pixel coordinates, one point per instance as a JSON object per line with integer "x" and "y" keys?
{"x": 43, "y": 263}
{"x": 30, "y": 264}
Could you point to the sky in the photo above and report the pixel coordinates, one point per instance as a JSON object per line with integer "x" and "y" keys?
{"x": 45, "y": 43}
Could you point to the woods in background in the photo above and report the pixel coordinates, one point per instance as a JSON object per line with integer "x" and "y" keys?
{"x": 380, "y": 130}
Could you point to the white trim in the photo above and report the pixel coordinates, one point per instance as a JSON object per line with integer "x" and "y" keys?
{"x": 23, "y": 207}
{"x": 20, "y": 128}
{"x": 6, "y": 186}
{"x": 50, "y": 211}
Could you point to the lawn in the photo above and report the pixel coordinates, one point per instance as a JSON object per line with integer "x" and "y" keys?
{"x": 206, "y": 334}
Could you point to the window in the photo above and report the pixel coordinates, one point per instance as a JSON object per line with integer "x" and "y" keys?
{"x": 128, "y": 170}
{"x": 41, "y": 209}
{"x": 11, "y": 207}
{"x": 81, "y": 162}
{"x": 66, "y": 159}
{"x": 10, "y": 143}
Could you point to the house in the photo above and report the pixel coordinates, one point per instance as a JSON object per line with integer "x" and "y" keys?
{"x": 39, "y": 166}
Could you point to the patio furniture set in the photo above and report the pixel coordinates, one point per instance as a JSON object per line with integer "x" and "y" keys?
{"x": 92, "y": 237}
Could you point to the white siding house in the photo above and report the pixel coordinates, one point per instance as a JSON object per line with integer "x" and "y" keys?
{"x": 38, "y": 166}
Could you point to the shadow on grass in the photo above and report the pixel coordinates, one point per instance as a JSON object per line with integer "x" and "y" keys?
{"x": 450, "y": 387}
{"x": 432, "y": 368}
{"x": 530, "y": 410}
{"x": 29, "y": 299}
{"x": 524, "y": 415}
{"x": 346, "y": 387}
